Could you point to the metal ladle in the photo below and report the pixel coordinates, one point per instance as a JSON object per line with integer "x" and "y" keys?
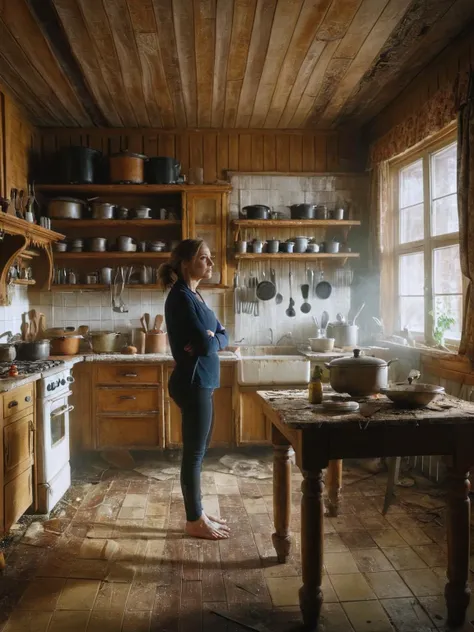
{"x": 305, "y": 307}
{"x": 290, "y": 311}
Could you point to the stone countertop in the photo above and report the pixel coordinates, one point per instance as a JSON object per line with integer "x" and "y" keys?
{"x": 144, "y": 357}
{"x": 9, "y": 383}
{"x": 294, "y": 410}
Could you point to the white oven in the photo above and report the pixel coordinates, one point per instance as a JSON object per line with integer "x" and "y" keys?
{"x": 54, "y": 472}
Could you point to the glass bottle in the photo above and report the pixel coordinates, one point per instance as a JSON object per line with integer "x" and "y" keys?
{"x": 315, "y": 389}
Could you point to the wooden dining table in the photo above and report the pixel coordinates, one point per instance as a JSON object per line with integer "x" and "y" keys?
{"x": 319, "y": 440}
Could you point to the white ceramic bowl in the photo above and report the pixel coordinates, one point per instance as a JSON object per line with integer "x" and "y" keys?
{"x": 321, "y": 344}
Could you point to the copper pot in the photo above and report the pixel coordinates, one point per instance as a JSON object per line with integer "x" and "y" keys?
{"x": 127, "y": 168}
{"x": 65, "y": 345}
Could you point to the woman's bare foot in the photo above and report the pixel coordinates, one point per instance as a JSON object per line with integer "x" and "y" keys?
{"x": 205, "y": 529}
{"x": 221, "y": 522}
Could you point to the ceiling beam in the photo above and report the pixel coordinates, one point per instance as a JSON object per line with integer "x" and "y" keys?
{"x": 53, "y": 30}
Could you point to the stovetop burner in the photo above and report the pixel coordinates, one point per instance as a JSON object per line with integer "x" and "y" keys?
{"x": 26, "y": 367}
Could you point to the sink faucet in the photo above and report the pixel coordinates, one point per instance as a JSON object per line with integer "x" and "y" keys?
{"x": 288, "y": 335}
{"x": 271, "y": 335}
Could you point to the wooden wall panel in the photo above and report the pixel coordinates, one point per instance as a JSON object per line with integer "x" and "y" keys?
{"x": 445, "y": 73}
{"x": 17, "y": 138}
{"x": 247, "y": 151}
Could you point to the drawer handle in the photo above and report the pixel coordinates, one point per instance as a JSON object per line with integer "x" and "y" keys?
{"x": 129, "y": 374}
{"x": 28, "y": 398}
{"x": 12, "y": 404}
{"x": 127, "y": 397}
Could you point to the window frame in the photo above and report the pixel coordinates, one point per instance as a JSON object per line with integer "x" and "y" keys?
{"x": 429, "y": 243}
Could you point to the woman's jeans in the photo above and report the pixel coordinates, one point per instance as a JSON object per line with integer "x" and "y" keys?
{"x": 197, "y": 414}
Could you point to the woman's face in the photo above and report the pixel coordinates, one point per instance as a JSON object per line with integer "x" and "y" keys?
{"x": 201, "y": 266}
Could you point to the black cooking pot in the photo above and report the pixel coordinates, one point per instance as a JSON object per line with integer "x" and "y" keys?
{"x": 162, "y": 170}
{"x": 302, "y": 211}
{"x": 255, "y": 211}
{"x": 78, "y": 165}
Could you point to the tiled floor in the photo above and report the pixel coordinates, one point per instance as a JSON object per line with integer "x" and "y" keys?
{"x": 114, "y": 559}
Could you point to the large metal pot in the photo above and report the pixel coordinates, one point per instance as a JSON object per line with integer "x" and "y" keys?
{"x": 344, "y": 335}
{"x": 103, "y": 341}
{"x": 162, "y": 170}
{"x": 302, "y": 211}
{"x": 66, "y": 208}
{"x": 36, "y": 350}
{"x": 66, "y": 345}
{"x": 255, "y": 211}
{"x": 102, "y": 210}
{"x": 359, "y": 376}
{"x": 7, "y": 352}
{"x": 78, "y": 165}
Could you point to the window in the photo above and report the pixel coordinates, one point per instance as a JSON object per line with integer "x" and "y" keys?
{"x": 426, "y": 242}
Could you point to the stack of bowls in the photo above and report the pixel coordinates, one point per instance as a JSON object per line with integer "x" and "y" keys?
{"x": 156, "y": 246}
{"x": 76, "y": 245}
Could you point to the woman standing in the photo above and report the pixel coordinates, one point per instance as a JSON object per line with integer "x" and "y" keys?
{"x": 195, "y": 336}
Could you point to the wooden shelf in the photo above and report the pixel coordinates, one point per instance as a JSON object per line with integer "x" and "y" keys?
{"x": 133, "y": 189}
{"x": 112, "y": 223}
{"x": 289, "y": 223}
{"x": 66, "y": 256}
{"x": 19, "y": 238}
{"x": 100, "y": 287}
{"x": 33, "y": 233}
{"x": 24, "y": 282}
{"x": 297, "y": 256}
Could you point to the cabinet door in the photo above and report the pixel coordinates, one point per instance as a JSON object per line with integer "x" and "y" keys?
{"x": 207, "y": 214}
{"x": 253, "y": 425}
{"x": 18, "y": 441}
{"x": 18, "y": 497}
{"x": 128, "y": 432}
{"x": 222, "y": 432}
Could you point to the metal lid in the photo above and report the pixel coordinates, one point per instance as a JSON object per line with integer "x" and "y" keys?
{"x": 67, "y": 199}
{"x": 128, "y": 154}
{"x": 358, "y": 360}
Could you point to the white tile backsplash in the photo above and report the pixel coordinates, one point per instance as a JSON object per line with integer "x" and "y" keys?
{"x": 279, "y": 192}
{"x": 10, "y": 315}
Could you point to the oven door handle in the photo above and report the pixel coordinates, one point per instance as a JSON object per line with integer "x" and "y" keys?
{"x": 62, "y": 411}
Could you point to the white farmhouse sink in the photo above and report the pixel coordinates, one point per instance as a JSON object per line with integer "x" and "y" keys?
{"x": 272, "y": 366}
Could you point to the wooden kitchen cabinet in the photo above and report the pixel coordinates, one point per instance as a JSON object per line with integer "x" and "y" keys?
{"x": 252, "y": 426}
{"x": 127, "y": 406}
{"x": 223, "y": 428}
{"x": 207, "y": 219}
{"x": 17, "y": 454}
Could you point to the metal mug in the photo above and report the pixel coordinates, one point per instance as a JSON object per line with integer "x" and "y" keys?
{"x": 257, "y": 246}
{"x": 241, "y": 247}
{"x": 106, "y": 275}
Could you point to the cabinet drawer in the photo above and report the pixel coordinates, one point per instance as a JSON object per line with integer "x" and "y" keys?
{"x": 128, "y": 432}
{"x": 129, "y": 374}
{"x": 17, "y": 400}
{"x": 127, "y": 400}
{"x": 18, "y": 497}
{"x": 18, "y": 446}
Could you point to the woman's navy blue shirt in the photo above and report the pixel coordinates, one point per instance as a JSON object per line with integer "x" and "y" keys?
{"x": 187, "y": 321}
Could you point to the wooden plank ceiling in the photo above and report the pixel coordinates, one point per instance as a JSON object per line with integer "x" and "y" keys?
{"x": 235, "y": 64}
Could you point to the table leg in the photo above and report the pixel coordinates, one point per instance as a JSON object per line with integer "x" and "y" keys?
{"x": 333, "y": 485}
{"x": 457, "y": 591}
{"x": 312, "y": 544}
{"x": 282, "y": 498}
